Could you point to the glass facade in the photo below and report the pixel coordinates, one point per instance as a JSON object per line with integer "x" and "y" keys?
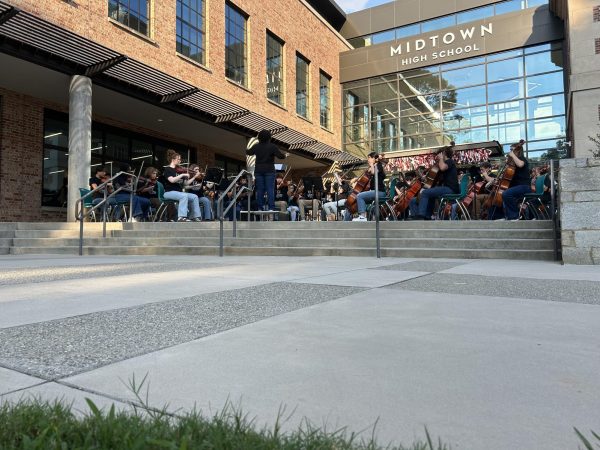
{"x": 131, "y": 13}
{"x": 450, "y": 20}
{"x": 190, "y": 29}
{"x": 506, "y": 97}
{"x": 302, "y": 86}
{"x": 110, "y": 147}
{"x": 236, "y": 63}
{"x": 275, "y": 70}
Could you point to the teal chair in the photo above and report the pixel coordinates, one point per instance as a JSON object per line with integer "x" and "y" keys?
{"x": 87, "y": 203}
{"x": 533, "y": 204}
{"x": 455, "y": 199}
{"x": 164, "y": 203}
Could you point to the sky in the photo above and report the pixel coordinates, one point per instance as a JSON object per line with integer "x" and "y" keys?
{"x": 355, "y": 5}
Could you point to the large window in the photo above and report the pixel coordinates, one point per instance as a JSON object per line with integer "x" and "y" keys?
{"x": 134, "y": 14}
{"x": 450, "y": 20}
{"x": 110, "y": 147}
{"x": 236, "y": 62}
{"x": 518, "y": 94}
{"x": 302, "y": 86}
{"x": 191, "y": 29}
{"x": 275, "y": 70}
{"x": 325, "y": 99}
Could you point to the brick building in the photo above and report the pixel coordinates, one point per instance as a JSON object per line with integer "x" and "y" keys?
{"x": 97, "y": 83}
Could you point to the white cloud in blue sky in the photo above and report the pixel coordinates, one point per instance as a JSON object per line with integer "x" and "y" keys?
{"x": 355, "y": 5}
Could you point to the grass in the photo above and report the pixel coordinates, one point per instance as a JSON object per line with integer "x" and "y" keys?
{"x": 52, "y": 425}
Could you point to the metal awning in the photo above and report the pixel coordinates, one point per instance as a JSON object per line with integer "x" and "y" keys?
{"x": 255, "y": 123}
{"x": 25, "y": 29}
{"x": 294, "y": 140}
{"x": 221, "y": 110}
{"x": 323, "y": 150}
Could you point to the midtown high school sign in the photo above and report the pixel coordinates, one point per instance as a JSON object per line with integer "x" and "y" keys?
{"x": 441, "y": 46}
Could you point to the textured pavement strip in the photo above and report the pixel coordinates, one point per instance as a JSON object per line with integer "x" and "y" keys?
{"x": 63, "y": 347}
{"x": 40, "y": 275}
{"x": 422, "y": 266}
{"x": 571, "y": 291}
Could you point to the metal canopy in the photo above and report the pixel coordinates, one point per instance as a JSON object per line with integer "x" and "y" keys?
{"x": 27, "y": 29}
{"x": 221, "y": 110}
{"x": 295, "y": 140}
{"x": 255, "y": 122}
{"x": 321, "y": 150}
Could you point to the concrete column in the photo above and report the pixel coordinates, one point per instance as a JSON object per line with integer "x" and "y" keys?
{"x": 80, "y": 139}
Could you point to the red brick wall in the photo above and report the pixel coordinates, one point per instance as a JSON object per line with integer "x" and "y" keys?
{"x": 290, "y": 20}
{"x": 21, "y": 157}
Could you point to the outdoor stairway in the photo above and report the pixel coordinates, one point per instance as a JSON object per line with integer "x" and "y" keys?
{"x": 413, "y": 239}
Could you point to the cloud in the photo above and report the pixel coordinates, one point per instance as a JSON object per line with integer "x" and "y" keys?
{"x": 352, "y": 5}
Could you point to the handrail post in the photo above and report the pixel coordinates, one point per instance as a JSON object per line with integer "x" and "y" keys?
{"x": 553, "y": 202}
{"x": 234, "y": 211}
{"x": 81, "y": 231}
{"x": 105, "y": 191}
{"x": 220, "y": 213}
{"x": 377, "y": 210}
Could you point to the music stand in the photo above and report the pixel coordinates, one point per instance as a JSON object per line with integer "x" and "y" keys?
{"x": 213, "y": 175}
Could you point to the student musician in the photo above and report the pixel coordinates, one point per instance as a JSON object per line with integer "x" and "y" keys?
{"x": 369, "y": 196}
{"x": 520, "y": 183}
{"x": 196, "y": 185}
{"x": 281, "y": 194}
{"x": 293, "y": 194}
{"x": 141, "y": 205}
{"x": 147, "y": 186}
{"x": 187, "y": 202}
{"x": 448, "y": 185}
{"x": 341, "y": 189}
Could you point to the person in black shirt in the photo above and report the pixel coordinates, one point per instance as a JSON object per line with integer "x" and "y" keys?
{"x": 449, "y": 184}
{"x": 520, "y": 183}
{"x": 369, "y": 196}
{"x": 264, "y": 171}
{"x": 173, "y": 190}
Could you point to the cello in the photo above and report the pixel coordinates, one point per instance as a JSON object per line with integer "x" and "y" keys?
{"x": 362, "y": 184}
{"x": 502, "y": 184}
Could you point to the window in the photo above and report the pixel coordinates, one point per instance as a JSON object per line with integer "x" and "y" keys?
{"x": 190, "y": 29}
{"x": 134, "y": 14}
{"x": 302, "y": 87}
{"x": 274, "y": 69}
{"x": 325, "y": 99}
{"x": 236, "y": 67}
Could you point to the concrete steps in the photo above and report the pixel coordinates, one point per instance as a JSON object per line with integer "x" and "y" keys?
{"x": 470, "y": 239}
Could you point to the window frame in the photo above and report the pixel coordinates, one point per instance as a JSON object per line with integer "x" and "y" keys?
{"x": 199, "y": 32}
{"x": 300, "y": 57}
{"x": 325, "y": 108}
{"x": 271, "y": 41}
{"x": 242, "y": 57}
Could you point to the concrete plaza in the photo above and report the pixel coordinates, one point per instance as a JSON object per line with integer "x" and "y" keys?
{"x": 490, "y": 354}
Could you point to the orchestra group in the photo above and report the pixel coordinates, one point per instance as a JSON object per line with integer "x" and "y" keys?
{"x": 485, "y": 191}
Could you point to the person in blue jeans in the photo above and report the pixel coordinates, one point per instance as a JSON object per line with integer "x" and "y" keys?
{"x": 520, "y": 183}
{"x": 448, "y": 185}
{"x": 141, "y": 205}
{"x": 264, "y": 172}
{"x": 369, "y": 196}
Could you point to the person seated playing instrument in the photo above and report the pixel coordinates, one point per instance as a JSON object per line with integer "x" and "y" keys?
{"x": 448, "y": 185}
{"x": 281, "y": 194}
{"x": 187, "y": 202}
{"x": 195, "y": 184}
{"x": 341, "y": 190}
{"x": 294, "y": 193}
{"x": 147, "y": 186}
{"x": 520, "y": 183}
{"x": 369, "y": 196}
{"x": 140, "y": 205}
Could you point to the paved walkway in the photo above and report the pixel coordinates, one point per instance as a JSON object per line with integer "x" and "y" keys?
{"x": 487, "y": 354}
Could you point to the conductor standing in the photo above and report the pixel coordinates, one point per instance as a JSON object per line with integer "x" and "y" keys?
{"x": 264, "y": 172}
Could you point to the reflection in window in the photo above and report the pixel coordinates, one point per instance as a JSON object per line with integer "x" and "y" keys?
{"x": 427, "y": 123}
{"x": 546, "y": 128}
{"x": 507, "y": 132}
{"x": 549, "y": 105}
{"x": 407, "y": 31}
{"x": 469, "y": 135}
{"x": 356, "y": 96}
{"x": 509, "y": 6}
{"x": 459, "y": 98}
{"x": 386, "y": 110}
{"x": 236, "y": 68}
{"x": 505, "y": 70}
{"x": 190, "y": 29}
{"x": 469, "y": 76}
{"x": 384, "y": 91}
{"x": 465, "y": 118}
{"x": 438, "y": 24}
{"x": 131, "y": 13}
{"x": 302, "y": 89}
{"x": 506, "y": 112}
{"x": 475, "y": 14}
{"x": 545, "y": 84}
{"x": 505, "y": 91}
{"x": 274, "y": 66}
{"x": 544, "y": 62}
{"x": 325, "y": 100}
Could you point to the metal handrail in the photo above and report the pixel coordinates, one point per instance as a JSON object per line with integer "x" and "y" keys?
{"x": 221, "y": 214}
{"x": 104, "y": 188}
{"x": 554, "y": 210}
